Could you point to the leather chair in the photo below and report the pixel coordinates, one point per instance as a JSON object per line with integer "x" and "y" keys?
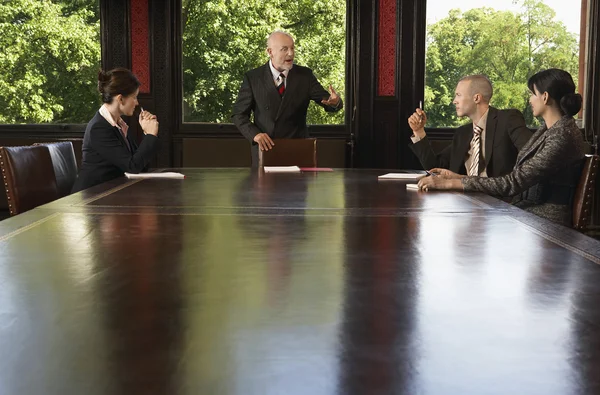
{"x": 290, "y": 152}
{"x": 584, "y": 194}
{"x": 65, "y": 165}
{"x": 28, "y": 177}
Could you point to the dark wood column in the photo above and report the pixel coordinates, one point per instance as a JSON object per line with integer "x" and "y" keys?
{"x": 387, "y": 83}
{"x": 114, "y": 26}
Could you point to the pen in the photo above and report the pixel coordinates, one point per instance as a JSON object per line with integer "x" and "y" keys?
{"x": 421, "y": 108}
{"x": 430, "y": 173}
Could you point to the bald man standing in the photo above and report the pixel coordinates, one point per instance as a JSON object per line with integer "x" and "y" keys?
{"x": 278, "y": 93}
{"x": 487, "y": 146}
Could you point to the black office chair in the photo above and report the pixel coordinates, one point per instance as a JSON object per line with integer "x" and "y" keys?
{"x": 28, "y": 177}
{"x": 64, "y": 163}
{"x": 584, "y": 194}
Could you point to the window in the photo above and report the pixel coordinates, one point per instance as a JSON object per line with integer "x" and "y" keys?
{"x": 222, "y": 40}
{"x": 49, "y": 61}
{"x": 507, "y": 40}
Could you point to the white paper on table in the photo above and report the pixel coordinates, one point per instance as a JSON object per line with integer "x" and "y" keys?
{"x": 414, "y": 187}
{"x": 155, "y": 175}
{"x": 282, "y": 169}
{"x": 402, "y": 176}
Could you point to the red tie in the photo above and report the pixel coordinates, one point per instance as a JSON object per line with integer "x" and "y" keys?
{"x": 281, "y": 84}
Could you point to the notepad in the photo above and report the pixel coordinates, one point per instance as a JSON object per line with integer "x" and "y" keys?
{"x": 282, "y": 169}
{"x": 316, "y": 169}
{"x": 155, "y": 175}
{"x": 402, "y": 176}
{"x": 412, "y": 187}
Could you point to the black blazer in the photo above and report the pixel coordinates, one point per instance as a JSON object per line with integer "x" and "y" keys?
{"x": 278, "y": 117}
{"x": 106, "y": 156}
{"x": 505, "y": 135}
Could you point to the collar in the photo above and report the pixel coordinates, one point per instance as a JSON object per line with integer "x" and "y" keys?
{"x": 107, "y": 115}
{"x": 483, "y": 120}
{"x": 561, "y": 123}
{"x": 276, "y": 72}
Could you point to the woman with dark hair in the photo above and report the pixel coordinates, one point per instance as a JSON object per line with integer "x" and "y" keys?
{"x": 547, "y": 170}
{"x": 108, "y": 151}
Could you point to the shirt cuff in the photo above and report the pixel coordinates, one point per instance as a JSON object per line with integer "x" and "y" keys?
{"x": 415, "y": 139}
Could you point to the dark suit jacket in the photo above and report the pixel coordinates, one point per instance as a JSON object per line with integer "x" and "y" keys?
{"x": 545, "y": 175}
{"x": 106, "y": 156}
{"x": 505, "y": 134}
{"x": 278, "y": 117}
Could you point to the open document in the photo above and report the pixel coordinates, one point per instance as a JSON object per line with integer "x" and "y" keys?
{"x": 155, "y": 175}
{"x": 282, "y": 169}
{"x": 402, "y": 176}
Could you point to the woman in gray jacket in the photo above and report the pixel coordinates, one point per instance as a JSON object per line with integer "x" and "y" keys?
{"x": 548, "y": 167}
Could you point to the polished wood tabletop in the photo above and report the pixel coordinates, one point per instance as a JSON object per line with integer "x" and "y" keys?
{"x": 233, "y": 281}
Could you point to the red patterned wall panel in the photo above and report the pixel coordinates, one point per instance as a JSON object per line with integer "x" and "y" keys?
{"x": 386, "y": 65}
{"x": 140, "y": 43}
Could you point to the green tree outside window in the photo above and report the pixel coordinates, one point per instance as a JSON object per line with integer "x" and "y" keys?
{"x": 223, "y": 39}
{"x": 49, "y": 61}
{"x": 508, "y": 47}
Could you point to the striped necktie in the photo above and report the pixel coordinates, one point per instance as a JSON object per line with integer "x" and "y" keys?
{"x": 475, "y": 151}
{"x": 281, "y": 84}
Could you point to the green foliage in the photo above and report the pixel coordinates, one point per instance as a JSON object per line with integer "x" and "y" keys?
{"x": 222, "y": 39}
{"x": 49, "y": 60}
{"x": 507, "y": 47}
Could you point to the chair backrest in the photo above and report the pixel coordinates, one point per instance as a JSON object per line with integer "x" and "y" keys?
{"x": 28, "y": 177}
{"x": 290, "y": 152}
{"x": 65, "y": 165}
{"x": 584, "y": 195}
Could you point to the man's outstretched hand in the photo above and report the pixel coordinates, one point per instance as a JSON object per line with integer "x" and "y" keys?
{"x": 333, "y": 100}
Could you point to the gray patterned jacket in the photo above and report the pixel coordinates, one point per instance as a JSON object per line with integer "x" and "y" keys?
{"x": 545, "y": 175}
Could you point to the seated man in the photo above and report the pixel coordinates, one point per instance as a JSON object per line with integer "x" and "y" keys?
{"x": 278, "y": 93}
{"x": 488, "y": 146}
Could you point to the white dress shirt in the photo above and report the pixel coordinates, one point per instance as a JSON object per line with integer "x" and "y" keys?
{"x": 276, "y": 73}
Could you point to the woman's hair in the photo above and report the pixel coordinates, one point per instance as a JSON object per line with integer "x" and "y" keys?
{"x": 119, "y": 81}
{"x": 561, "y": 88}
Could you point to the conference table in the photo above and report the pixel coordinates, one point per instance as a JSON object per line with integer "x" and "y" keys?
{"x": 236, "y": 281}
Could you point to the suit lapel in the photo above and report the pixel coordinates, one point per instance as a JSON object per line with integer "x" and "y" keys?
{"x": 538, "y": 138}
{"x": 290, "y": 88}
{"x": 132, "y": 143}
{"x": 490, "y": 131}
{"x": 121, "y": 137}
{"x": 115, "y": 130}
{"x": 271, "y": 89}
{"x": 535, "y": 141}
{"x": 463, "y": 144}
